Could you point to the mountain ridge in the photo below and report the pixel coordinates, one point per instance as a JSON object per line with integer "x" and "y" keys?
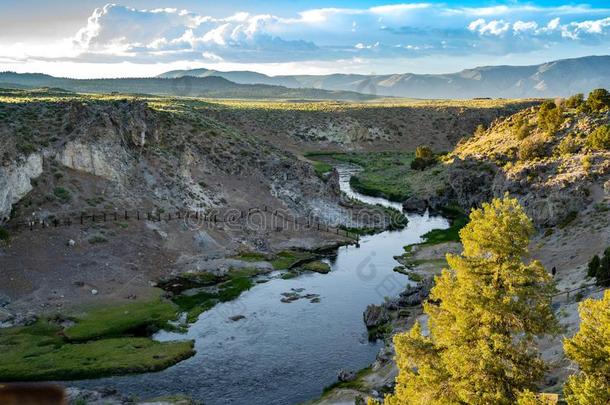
{"x": 561, "y": 77}
{"x": 210, "y": 86}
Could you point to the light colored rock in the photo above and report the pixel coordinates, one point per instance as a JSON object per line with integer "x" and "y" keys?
{"x": 94, "y": 292}
{"x": 15, "y": 182}
{"x": 71, "y": 243}
{"x": 89, "y": 159}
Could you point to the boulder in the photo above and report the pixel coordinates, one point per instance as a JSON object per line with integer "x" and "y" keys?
{"x": 375, "y": 316}
{"x": 415, "y": 204}
{"x": 346, "y": 375}
{"x": 415, "y": 294}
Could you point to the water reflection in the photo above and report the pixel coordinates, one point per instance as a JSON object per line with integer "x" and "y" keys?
{"x": 285, "y": 353}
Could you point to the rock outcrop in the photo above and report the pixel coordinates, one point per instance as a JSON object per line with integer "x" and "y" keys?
{"x": 15, "y": 182}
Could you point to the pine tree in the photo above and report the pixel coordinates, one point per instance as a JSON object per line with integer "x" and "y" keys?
{"x": 590, "y": 349}
{"x": 483, "y": 315}
{"x": 603, "y": 272}
{"x": 593, "y": 266}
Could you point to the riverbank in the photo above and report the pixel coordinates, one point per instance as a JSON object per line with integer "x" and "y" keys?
{"x": 93, "y": 343}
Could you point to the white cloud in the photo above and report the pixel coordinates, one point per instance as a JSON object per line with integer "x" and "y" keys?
{"x": 525, "y": 26}
{"x": 115, "y": 33}
{"x": 494, "y": 27}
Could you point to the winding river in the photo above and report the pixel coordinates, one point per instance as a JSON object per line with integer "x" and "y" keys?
{"x": 286, "y": 353}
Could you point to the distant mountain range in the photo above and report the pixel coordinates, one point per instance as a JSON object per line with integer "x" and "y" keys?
{"x": 559, "y": 78}
{"x": 208, "y": 86}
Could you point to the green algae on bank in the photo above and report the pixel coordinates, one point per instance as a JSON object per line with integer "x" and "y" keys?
{"x": 103, "y": 342}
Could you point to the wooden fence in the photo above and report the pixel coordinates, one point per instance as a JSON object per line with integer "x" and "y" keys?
{"x": 234, "y": 217}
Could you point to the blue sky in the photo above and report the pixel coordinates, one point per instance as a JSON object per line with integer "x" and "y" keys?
{"x": 89, "y": 38}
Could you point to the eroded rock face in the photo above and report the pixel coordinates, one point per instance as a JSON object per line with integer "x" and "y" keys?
{"x": 470, "y": 182}
{"x": 15, "y": 182}
{"x": 98, "y": 160}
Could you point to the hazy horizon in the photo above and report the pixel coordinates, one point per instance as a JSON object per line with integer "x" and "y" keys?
{"x": 92, "y": 39}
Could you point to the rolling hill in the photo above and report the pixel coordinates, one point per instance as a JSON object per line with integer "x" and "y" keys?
{"x": 210, "y": 86}
{"x": 558, "y": 78}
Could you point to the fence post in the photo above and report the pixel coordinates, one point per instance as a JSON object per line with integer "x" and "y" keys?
{"x": 126, "y": 216}
{"x": 81, "y": 218}
{"x": 104, "y": 216}
{"x": 93, "y": 218}
{"x": 115, "y": 216}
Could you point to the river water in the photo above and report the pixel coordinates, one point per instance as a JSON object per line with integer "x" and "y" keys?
{"x": 286, "y": 353}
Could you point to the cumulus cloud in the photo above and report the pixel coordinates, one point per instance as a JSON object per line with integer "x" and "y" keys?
{"x": 117, "y": 33}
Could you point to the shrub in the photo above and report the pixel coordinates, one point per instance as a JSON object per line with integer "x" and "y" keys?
{"x": 593, "y": 266}
{"x": 568, "y": 145}
{"x": 97, "y": 239}
{"x": 586, "y": 163}
{"x": 522, "y": 131}
{"x": 575, "y": 101}
{"x": 603, "y": 272}
{"x": 532, "y": 148}
{"x": 424, "y": 157}
{"x": 550, "y": 117}
{"x": 599, "y": 100}
{"x": 479, "y": 131}
{"x": 424, "y": 152}
{"x": 600, "y": 138}
{"x": 62, "y": 194}
{"x": 4, "y": 235}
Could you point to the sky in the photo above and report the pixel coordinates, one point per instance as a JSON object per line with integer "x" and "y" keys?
{"x": 133, "y": 38}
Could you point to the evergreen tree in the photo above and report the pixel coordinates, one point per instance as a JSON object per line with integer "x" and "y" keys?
{"x": 599, "y": 100}
{"x": 590, "y": 350}
{"x": 483, "y": 315}
{"x": 593, "y": 266}
{"x": 603, "y": 272}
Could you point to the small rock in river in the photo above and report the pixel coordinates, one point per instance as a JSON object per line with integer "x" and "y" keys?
{"x": 346, "y": 376}
{"x": 237, "y": 318}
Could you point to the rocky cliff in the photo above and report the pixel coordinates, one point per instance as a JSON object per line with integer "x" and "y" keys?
{"x": 554, "y": 174}
{"x": 99, "y": 153}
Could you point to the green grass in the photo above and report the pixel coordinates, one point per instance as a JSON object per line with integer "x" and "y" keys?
{"x": 321, "y": 168}
{"x": 289, "y": 258}
{"x": 289, "y": 275}
{"x": 97, "y": 239}
{"x": 451, "y": 234}
{"x": 122, "y": 319}
{"x": 388, "y": 174}
{"x": 36, "y": 354}
{"x": 317, "y": 266}
{"x": 357, "y": 384}
{"x": 252, "y": 257}
{"x": 203, "y": 301}
{"x": 101, "y": 343}
{"x": 280, "y": 261}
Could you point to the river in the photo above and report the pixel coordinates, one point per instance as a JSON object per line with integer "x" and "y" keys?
{"x": 286, "y": 353}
